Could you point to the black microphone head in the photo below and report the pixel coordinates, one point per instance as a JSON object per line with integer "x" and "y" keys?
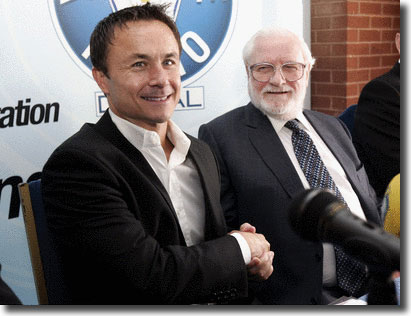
{"x": 307, "y": 209}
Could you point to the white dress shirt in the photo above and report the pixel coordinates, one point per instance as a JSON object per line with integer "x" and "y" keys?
{"x": 178, "y": 175}
{"x": 336, "y": 172}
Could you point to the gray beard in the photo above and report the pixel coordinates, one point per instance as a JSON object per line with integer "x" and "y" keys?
{"x": 285, "y": 112}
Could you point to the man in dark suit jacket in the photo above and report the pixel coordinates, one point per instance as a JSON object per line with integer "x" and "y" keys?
{"x": 260, "y": 174}
{"x": 131, "y": 201}
{"x": 376, "y": 133}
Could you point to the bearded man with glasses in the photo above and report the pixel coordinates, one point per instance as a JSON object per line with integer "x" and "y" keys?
{"x": 261, "y": 150}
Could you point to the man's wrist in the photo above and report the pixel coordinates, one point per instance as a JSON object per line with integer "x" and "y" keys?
{"x": 245, "y": 249}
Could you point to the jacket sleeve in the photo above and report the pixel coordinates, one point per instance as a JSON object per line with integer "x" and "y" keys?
{"x": 376, "y": 133}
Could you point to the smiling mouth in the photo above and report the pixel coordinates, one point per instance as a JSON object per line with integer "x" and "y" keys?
{"x": 156, "y": 99}
{"x": 277, "y": 92}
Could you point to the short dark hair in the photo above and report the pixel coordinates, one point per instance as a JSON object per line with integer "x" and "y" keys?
{"x": 103, "y": 33}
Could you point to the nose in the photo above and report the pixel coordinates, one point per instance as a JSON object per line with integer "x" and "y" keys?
{"x": 158, "y": 76}
{"x": 277, "y": 78}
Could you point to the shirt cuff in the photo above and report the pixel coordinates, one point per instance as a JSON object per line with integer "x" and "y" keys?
{"x": 245, "y": 249}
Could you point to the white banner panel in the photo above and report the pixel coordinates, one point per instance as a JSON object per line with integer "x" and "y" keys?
{"x": 47, "y": 92}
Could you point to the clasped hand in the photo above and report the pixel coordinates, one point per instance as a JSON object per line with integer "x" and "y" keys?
{"x": 261, "y": 264}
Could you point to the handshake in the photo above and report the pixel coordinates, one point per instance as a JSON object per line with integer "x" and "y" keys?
{"x": 261, "y": 265}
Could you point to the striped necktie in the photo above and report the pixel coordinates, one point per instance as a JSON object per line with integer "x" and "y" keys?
{"x": 351, "y": 274}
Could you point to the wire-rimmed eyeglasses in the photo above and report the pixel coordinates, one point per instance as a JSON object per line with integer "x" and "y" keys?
{"x": 290, "y": 71}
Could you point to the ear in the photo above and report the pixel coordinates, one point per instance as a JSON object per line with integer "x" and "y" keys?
{"x": 307, "y": 76}
{"x": 247, "y": 70}
{"x": 101, "y": 80}
{"x": 397, "y": 42}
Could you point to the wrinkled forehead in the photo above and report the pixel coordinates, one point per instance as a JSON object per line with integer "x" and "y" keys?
{"x": 277, "y": 50}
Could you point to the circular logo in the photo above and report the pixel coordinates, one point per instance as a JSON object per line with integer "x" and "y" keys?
{"x": 205, "y": 27}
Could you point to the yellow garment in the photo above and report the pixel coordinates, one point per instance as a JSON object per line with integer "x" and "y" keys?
{"x": 392, "y": 207}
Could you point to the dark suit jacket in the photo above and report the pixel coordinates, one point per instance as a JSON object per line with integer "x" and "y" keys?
{"x": 118, "y": 233}
{"x": 376, "y": 134}
{"x": 258, "y": 183}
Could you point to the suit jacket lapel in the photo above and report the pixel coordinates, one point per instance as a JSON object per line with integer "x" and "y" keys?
{"x": 215, "y": 222}
{"x": 335, "y": 147}
{"x": 109, "y": 131}
{"x": 327, "y": 137}
{"x": 267, "y": 143}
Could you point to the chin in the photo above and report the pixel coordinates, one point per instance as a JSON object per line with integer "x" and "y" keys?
{"x": 283, "y": 112}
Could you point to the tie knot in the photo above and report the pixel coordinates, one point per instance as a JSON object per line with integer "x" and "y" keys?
{"x": 292, "y": 125}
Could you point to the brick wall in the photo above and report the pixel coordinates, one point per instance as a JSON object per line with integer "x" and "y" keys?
{"x": 353, "y": 42}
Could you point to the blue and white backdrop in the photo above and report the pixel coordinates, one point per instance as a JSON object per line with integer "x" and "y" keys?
{"x": 47, "y": 92}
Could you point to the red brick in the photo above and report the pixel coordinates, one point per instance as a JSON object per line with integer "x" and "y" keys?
{"x": 352, "y": 35}
{"x": 396, "y": 23}
{"x": 352, "y": 62}
{"x": 369, "y": 62}
{"x": 370, "y": 36}
{"x": 313, "y": 88}
{"x": 351, "y": 100}
{"x": 374, "y": 73}
{"x": 339, "y": 22}
{"x": 388, "y": 60}
{"x": 330, "y": 8}
{"x": 394, "y": 49}
{"x": 353, "y": 7}
{"x": 331, "y": 36}
{"x": 331, "y": 89}
{"x": 320, "y": 23}
{"x": 321, "y": 49}
{"x": 339, "y": 104}
{"x": 339, "y": 49}
{"x": 381, "y": 48}
{"x": 336, "y": 113}
{"x": 313, "y": 10}
{"x": 323, "y": 102}
{"x": 361, "y": 86}
{"x": 388, "y": 35}
{"x": 381, "y": 22}
{"x": 331, "y": 63}
{"x": 381, "y": 1}
{"x": 358, "y": 22}
{"x": 313, "y": 37}
{"x": 358, "y": 49}
{"x": 352, "y": 89}
{"x": 391, "y": 9}
{"x": 357, "y": 75}
{"x": 320, "y": 75}
{"x": 370, "y": 8}
{"x": 339, "y": 76}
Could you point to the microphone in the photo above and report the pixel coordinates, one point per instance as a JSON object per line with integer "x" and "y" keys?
{"x": 318, "y": 215}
